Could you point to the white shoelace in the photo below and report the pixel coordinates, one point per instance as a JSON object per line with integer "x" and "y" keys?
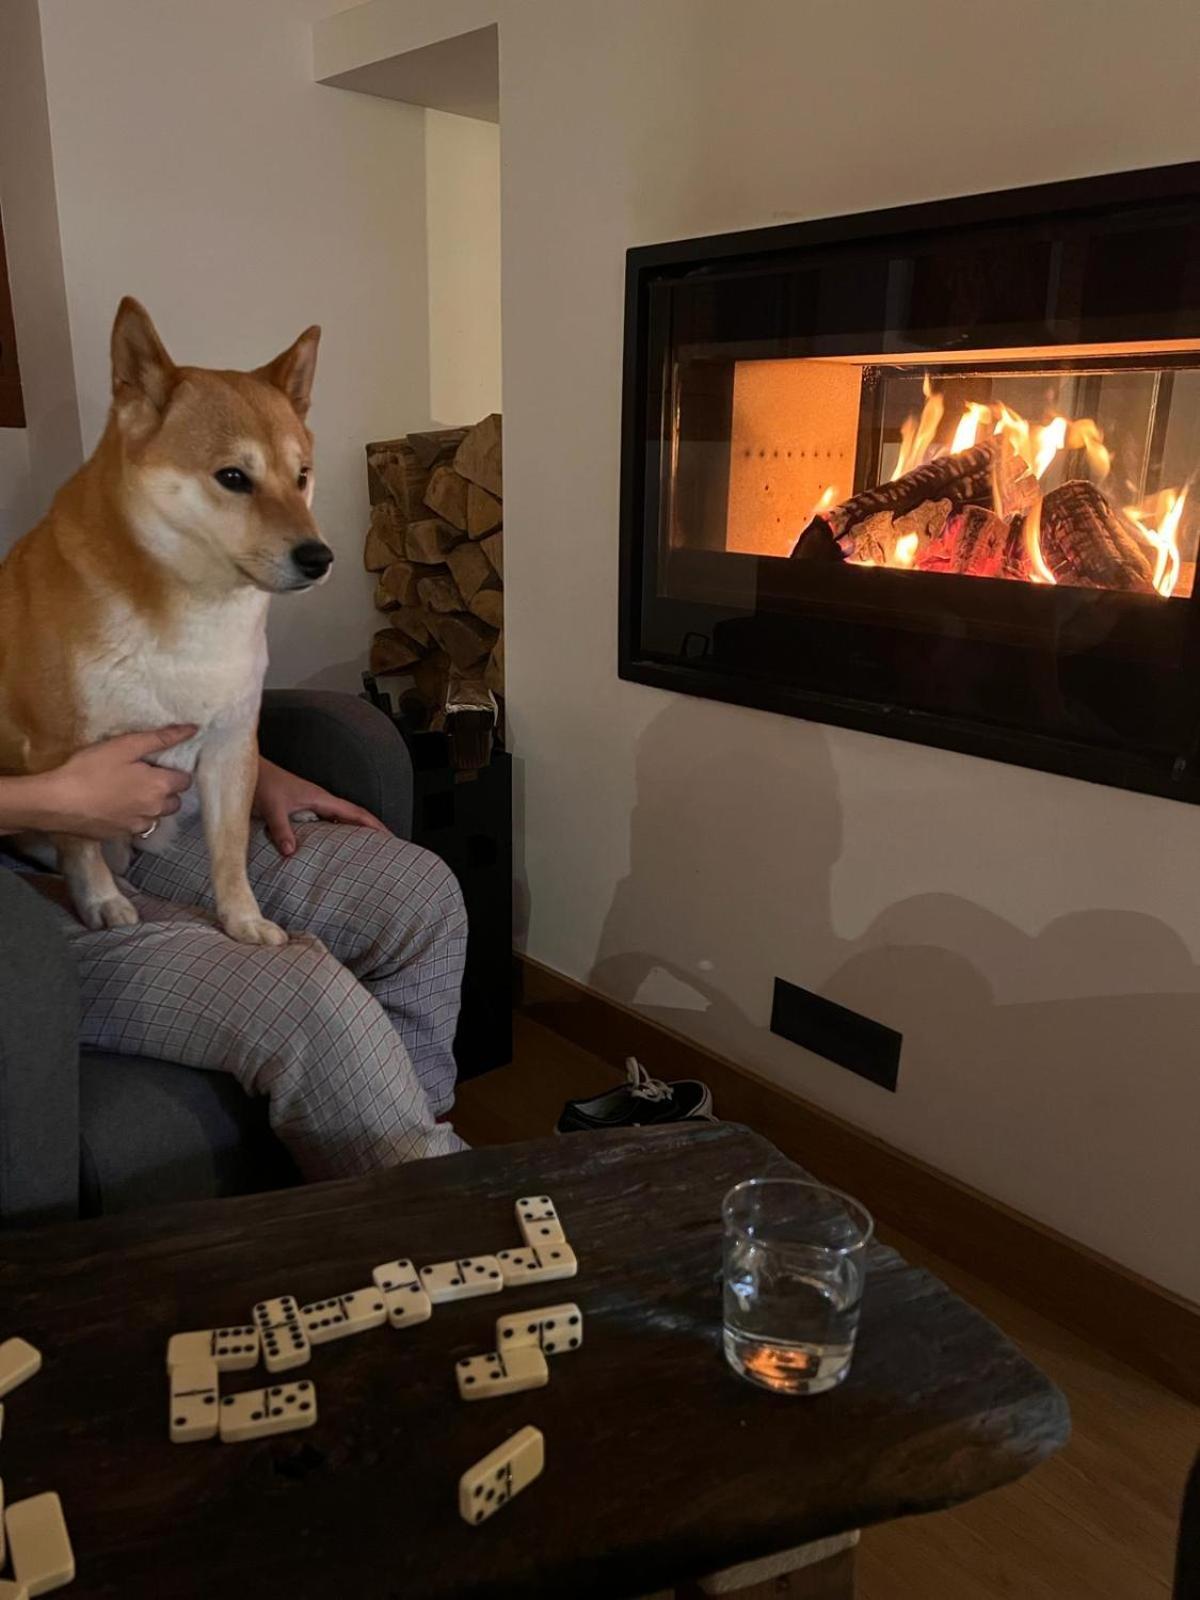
{"x": 642, "y": 1084}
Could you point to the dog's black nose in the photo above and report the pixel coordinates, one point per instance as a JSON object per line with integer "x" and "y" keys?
{"x": 312, "y": 558}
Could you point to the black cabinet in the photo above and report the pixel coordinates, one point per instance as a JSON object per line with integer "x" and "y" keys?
{"x": 466, "y": 818}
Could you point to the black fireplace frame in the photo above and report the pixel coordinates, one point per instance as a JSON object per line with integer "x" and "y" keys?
{"x": 641, "y": 466}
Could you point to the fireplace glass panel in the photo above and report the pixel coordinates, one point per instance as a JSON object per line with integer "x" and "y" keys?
{"x": 933, "y": 476}
{"x": 1113, "y": 439}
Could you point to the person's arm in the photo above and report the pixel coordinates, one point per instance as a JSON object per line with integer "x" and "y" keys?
{"x": 104, "y": 792}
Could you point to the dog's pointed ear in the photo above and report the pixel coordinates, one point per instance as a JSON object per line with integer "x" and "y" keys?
{"x": 143, "y": 374}
{"x": 294, "y": 370}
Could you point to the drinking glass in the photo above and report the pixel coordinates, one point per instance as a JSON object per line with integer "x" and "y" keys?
{"x": 795, "y": 1259}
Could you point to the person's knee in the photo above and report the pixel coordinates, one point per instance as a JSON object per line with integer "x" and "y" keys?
{"x": 422, "y": 896}
{"x": 315, "y": 1004}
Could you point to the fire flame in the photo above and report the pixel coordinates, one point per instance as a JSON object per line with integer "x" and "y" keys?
{"x": 918, "y": 433}
{"x": 1166, "y": 512}
{"x": 1037, "y": 446}
{"x": 974, "y": 417}
{"x": 1039, "y": 572}
{"x": 830, "y": 497}
{"x": 906, "y": 549}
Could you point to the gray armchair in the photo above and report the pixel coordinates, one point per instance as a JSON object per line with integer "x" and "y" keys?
{"x": 90, "y": 1133}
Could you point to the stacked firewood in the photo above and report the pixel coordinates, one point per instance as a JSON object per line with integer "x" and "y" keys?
{"x": 436, "y": 544}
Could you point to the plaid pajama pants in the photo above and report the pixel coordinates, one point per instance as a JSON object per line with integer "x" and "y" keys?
{"x": 347, "y": 1029}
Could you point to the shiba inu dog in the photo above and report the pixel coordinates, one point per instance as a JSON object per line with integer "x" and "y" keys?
{"x": 140, "y": 600}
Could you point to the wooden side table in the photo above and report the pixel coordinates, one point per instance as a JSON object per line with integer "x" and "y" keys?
{"x": 663, "y": 1468}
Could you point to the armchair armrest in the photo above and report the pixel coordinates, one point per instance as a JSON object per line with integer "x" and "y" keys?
{"x": 346, "y": 745}
{"x": 39, "y": 1061}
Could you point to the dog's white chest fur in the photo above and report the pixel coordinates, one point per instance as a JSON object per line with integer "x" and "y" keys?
{"x": 208, "y": 669}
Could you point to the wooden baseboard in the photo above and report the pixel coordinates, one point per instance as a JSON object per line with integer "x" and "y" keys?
{"x": 1154, "y": 1331}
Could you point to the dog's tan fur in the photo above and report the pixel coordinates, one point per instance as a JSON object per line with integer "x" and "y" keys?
{"x": 140, "y": 599}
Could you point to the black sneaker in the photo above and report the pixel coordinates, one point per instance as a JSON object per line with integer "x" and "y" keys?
{"x": 642, "y": 1102}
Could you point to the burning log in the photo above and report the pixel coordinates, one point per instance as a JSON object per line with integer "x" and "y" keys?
{"x": 1014, "y": 487}
{"x": 1087, "y": 543}
{"x": 876, "y": 539}
{"x": 817, "y": 543}
{"x": 978, "y": 544}
{"x": 962, "y": 479}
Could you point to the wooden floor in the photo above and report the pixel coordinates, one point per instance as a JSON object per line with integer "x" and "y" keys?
{"x": 1095, "y": 1523}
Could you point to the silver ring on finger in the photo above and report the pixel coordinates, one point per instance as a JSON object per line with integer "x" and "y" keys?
{"x": 149, "y": 830}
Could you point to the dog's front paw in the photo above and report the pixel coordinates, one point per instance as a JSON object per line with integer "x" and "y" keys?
{"x": 114, "y": 911}
{"x": 254, "y": 930}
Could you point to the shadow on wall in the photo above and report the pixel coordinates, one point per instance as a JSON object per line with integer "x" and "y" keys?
{"x": 731, "y": 865}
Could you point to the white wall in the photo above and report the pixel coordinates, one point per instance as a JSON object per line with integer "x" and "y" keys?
{"x": 1037, "y": 940}
{"x": 462, "y": 219}
{"x": 200, "y": 168}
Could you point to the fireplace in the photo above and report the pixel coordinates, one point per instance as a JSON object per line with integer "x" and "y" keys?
{"x": 929, "y": 472}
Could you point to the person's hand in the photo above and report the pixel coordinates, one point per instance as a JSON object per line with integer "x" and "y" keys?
{"x": 109, "y": 790}
{"x": 279, "y": 794}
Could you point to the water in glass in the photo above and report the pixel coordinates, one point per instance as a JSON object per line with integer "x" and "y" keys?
{"x": 794, "y": 1267}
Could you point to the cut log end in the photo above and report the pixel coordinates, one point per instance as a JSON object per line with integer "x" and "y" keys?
{"x": 472, "y": 570}
{"x": 488, "y": 605}
{"x": 447, "y": 495}
{"x": 392, "y": 651}
{"x": 478, "y": 458}
{"x": 439, "y": 592}
{"x": 484, "y": 512}
{"x": 430, "y": 541}
{"x": 1086, "y": 542}
{"x": 464, "y": 638}
{"x": 493, "y": 549}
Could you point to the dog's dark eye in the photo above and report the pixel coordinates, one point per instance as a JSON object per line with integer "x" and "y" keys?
{"x": 302, "y": 480}
{"x": 234, "y": 479}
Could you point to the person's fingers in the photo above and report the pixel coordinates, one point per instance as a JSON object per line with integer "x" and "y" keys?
{"x": 138, "y": 745}
{"x": 331, "y": 809}
{"x": 175, "y": 782}
{"x": 170, "y": 806}
{"x": 279, "y": 830}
